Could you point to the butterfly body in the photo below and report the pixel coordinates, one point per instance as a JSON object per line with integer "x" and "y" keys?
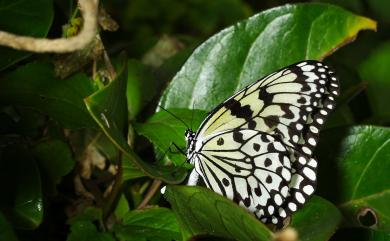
{"x": 256, "y": 147}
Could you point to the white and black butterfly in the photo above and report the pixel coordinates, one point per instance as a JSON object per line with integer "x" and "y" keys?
{"x": 256, "y": 147}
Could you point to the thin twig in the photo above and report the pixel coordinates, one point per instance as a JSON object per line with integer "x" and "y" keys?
{"x": 89, "y": 10}
{"x": 152, "y": 190}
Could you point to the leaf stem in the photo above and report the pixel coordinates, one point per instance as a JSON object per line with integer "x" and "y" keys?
{"x": 152, "y": 190}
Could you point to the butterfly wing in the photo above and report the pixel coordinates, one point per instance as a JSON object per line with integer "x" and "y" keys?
{"x": 250, "y": 167}
{"x": 290, "y": 106}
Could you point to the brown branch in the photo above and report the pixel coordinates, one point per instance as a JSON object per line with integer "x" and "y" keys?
{"x": 152, "y": 190}
{"x": 89, "y": 10}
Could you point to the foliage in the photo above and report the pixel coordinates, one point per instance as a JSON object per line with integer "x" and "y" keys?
{"x": 84, "y": 154}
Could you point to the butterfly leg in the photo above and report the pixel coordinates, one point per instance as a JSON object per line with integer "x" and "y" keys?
{"x": 193, "y": 178}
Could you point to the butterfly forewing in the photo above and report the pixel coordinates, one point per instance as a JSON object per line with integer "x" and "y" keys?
{"x": 256, "y": 147}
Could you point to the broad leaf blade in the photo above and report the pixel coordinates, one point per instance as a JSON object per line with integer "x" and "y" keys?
{"x": 108, "y": 107}
{"x": 23, "y": 17}
{"x": 201, "y": 211}
{"x": 243, "y": 53}
{"x": 318, "y": 220}
{"x": 34, "y": 85}
{"x": 358, "y": 164}
{"x": 155, "y": 223}
{"x": 163, "y": 129}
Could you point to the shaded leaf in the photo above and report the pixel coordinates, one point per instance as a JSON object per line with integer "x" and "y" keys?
{"x": 87, "y": 231}
{"x": 23, "y": 17}
{"x": 141, "y": 87}
{"x": 241, "y": 54}
{"x": 34, "y": 85}
{"x": 318, "y": 220}
{"x": 358, "y": 164}
{"x": 55, "y": 160}
{"x": 201, "y": 211}
{"x": 122, "y": 207}
{"x": 375, "y": 70}
{"x": 163, "y": 129}
{"x": 20, "y": 181}
{"x": 109, "y": 109}
{"x": 156, "y": 223}
{"x": 6, "y": 231}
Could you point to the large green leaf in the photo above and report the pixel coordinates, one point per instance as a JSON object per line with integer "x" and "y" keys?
{"x": 375, "y": 70}
{"x": 354, "y": 173}
{"x": 318, "y": 220}
{"x": 109, "y": 109}
{"x": 163, "y": 129}
{"x": 34, "y": 85}
{"x": 243, "y": 53}
{"x": 201, "y": 211}
{"x": 24, "y": 17}
{"x": 155, "y": 223}
{"x": 21, "y": 185}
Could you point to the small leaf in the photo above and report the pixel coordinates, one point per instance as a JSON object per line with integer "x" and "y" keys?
{"x": 34, "y": 85}
{"x": 55, "y": 160}
{"x": 163, "y": 129}
{"x": 23, "y": 17}
{"x": 156, "y": 223}
{"x": 241, "y": 54}
{"x": 318, "y": 220}
{"x": 201, "y": 211}
{"x": 357, "y": 163}
{"x": 87, "y": 231}
{"x": 109, "y": 109}
{"x": 122, "y": 207}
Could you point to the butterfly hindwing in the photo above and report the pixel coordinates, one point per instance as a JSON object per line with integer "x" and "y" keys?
{"x": 250, "y": 167}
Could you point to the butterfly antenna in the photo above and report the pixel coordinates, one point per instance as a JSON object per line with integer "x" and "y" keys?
{"x": 175, "y": 117}
{"x": 192, "y": 114}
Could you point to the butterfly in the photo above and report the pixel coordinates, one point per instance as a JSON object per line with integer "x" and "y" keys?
{"x": 256, "y": 147}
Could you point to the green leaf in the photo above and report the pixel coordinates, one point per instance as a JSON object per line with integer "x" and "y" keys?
{"x": 318, "y": 220}
{"x": 241, "y": 54}
{"x": 20, "y": 181}
{"x": 122, "y": 207}
{"x": 141, "y": 87}
{"x": 357, "y": 160}
{"x": 156, "y": 223}
{"x": 87, "y": 231}
{"x": 34, "y": 85}
{"x": 129, "y": 169}
{"x": 24, "y": 17}
{"x": 109, "y": 109}
{"x": 375, "y": 70}
{"x": 163, "y": 129}
{"x": 6, "y": 231}
{"x": 110, "y": 151}
{"x": 201, "y": 211}
{"x": 55, "y": 160}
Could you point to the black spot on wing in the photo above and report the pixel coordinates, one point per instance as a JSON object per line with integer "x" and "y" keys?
{"x": 220, "y": 141}
{"x": 239, "y": 111}
{"x": 238, "y": 137}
